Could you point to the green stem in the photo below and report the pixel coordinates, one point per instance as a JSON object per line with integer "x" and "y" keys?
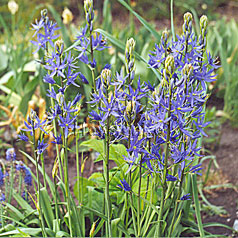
{"x": 1, "y": 214}
{"x": 133, "y": 215}
{"x": 176, "y": 206}
{"x": 38, "y": 184}
{"x": 43, "y": 168}
{"x": 55, "y": 132}
{"x": 66, "y": 176}
{"x": 164, "y": 183}
{"x": 11, "y": 183}
{"x": 92, "y": 57}
{"x": 138, "y": 199}
{"x": 172, "y": 18}
{"x": 56, "y": 203}
{"x": 106, "y": 171}
{"x": 20, "y": 184}
{"x": 78, "y": 181}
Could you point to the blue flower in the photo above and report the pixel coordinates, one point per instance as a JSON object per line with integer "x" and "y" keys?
{"x": 66, "y": 123}
{"x": 186, "y": 197}
{"x": 10, "y": 154}
{"x": 125, "y": 186}
{"x": 58, "y": 139}
{"x": 56, "y": 66}
{"x": 1, "y": 177}
{"x": 48, "y": 79}
{"x": 27, "y": 173}
{"x": 2, "y": 198}
{"x": 83, "y": 78}
{"x": 170, "y": 178}
{"x": 71, "y": 76}
{"x": 28, "y": 177}
{"x": 41, "y": 146}
{"x": 23, "y": 137}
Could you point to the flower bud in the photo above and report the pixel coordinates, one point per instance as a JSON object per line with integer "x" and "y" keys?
{"x": 92, "y": 230}
{"x": 203, "y": 22}
{"x": 32, "y": 115}
{"x": 13, "y": 7}
{"x": 89, "y": 13}
{"x": 130, "y": 61}
{"x": 169, "y": 64}
{"x": 130, "y": 107}
{"x": 165, "y": 35}
{"x": 88, "y": 4}
{"x": 106, "y": 76}
{"x": 187, "y": 69}
{"x": 187, "y": 26}
{"x": 60, "y": 98}
{"x": 187, "y": 17}
{"x": 59, "y": 46}
{"x": 44, "y": 13}
{"x": 203, "y": 32}
{"x": 130, "y": 45}
{"x": 55, "y": 169}
{"x": 67, "y": 16}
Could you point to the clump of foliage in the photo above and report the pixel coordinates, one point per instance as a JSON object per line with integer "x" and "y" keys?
{"x": 151, "y": 132}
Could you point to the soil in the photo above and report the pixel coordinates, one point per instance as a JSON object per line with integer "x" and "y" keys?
{"x": 227, "y": 158}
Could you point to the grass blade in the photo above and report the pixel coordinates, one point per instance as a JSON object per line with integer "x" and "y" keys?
{"x": 146, "y": 24}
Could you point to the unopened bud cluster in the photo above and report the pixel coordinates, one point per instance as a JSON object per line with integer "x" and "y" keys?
{"x": 187, "y": 26}
{"x": 169, "y": 67}
{"x": 203, "y": 31}
{"x": 164, "y": 38}
{"x": 130, "y": 60}
{"x": 106, "y": 77}
{"x": 89, "y": 13}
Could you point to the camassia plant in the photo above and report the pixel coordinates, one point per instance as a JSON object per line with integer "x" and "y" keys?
{"x": 150, "y": 131}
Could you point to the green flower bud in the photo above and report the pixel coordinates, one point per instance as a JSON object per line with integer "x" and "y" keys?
{"x": 130, "y": 45}
{"x": 165, "y": 35}
{"x": 187, "y": 26}
{"x": 44, "y": 13}
{"x": 32, "y": 115}
{"x": 106, "y": 75}
{"x": 130, "y": 61}
{"x": 203, "y": 22}
{"x": 187, "y": 17}
{"x": 187, "y": 69}
{"x": 60, "y": 98}
{"x": 59, "y": 46}
{"x": 88, "y": 5}
{"x": 130, "y": 107}
{"x": 169, "y": 64}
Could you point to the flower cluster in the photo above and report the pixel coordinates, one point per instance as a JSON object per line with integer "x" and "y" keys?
{"x": 27, "y": 173}
{"x": 165, "y": 131}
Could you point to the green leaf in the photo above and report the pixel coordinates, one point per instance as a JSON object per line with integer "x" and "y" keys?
{"x": 15, "y": 99}
{"x": 95, "y": 144}
{"x": 31, "y": 86}
{"x": 115, "y": 227}
{"x": 50, "y": 183}
{"x": 146, "y": 24}
{"x": 17, "y": 215}
{"x": 24, "y": 204}
{"x": 197, "y": 205}
{"x": 82, "y": 189}
{"x": 5, "y": 78}
{"x": 121, "y": 46}
{"x": 47, "y": 210}
{"x": 63, "y": 28}
{"x": 31, "y": 231}
{"x": 3, "y": 60}
{"x": 62, "y": 234}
